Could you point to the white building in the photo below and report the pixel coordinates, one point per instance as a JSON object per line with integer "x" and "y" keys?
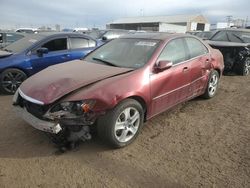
{"x": 222, "y": 25}
{"x": 176, "y": 23}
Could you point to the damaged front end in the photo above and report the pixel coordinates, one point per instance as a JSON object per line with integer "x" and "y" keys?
{"x": 236, "y": 56}
{"x": 65, "y": 122}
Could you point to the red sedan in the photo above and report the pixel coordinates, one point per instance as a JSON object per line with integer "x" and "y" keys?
{"x": 119, "y": 86}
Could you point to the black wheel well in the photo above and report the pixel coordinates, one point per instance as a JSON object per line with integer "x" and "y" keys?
{"x": 143, "y": 104}
{"x": 219, "y": 71}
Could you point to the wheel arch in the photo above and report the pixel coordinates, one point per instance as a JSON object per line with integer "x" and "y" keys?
{"x": 142, "y": 103}
{"x": 219, "y": 71}
{"x": 19, "y": 68}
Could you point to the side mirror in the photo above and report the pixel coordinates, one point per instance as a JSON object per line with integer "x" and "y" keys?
{"x": 41, "y": 51}
{"x": 104, "y": 38}
{"x": 163, "y": 65}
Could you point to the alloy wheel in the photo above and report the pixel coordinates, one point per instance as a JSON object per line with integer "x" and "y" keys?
{"x": 11, "y": 80}
{"x": 213, "y": 82}
{"x": 127, "y": 124}
{"x": 247, "y": 66}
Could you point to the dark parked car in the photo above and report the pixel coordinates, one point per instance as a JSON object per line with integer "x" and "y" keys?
{"x": 26, "y": 30}
{"x": 234, "y": 44}
{"x": 35, "y": 52}
{"x": 119, "y": 86}
{"x": 204, "y": 35}
{"x": 8, "y": 37}
{"x": 106, "y": 35}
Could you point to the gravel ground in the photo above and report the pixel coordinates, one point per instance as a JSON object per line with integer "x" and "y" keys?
{"x": 201, "y": 143}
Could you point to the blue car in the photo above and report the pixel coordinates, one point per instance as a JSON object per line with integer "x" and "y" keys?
{"x": 35, "y": 52}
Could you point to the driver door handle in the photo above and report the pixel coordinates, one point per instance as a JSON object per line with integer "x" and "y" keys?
{"x": 65, "y": 56}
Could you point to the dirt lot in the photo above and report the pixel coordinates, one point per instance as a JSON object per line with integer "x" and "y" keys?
{"x": 202, "y": 143}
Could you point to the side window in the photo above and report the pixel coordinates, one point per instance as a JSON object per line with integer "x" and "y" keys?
{"x": 56, "y": 44}
{"x": 196, "y": 48}
{"x": 81, "y": 43}
{"x": 174, "y": 51}
{"x": 220, "y": 36}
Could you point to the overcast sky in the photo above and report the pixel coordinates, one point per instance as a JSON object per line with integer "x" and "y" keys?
{"x": 96, "y": 13}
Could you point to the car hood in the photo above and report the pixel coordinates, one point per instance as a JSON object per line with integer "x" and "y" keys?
{"x": 4, "y": 54}
{"x": 56, "y": 81}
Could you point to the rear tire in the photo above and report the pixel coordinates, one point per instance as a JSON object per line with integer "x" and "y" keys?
{"x": 212, "y": 85}
{"x": 10, "y": 80}
{"x": 244, "y": 67}
{"x": 120, "y": 126}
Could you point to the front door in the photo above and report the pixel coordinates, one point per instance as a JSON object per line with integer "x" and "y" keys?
{"x": 57, "y": 53}
{"x": 171, "y": 86}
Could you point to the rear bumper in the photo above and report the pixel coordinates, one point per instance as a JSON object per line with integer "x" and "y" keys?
{"x": 39, "y": 124}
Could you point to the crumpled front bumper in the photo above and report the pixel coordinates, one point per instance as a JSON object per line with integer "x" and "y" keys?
{"x": 39, "y": 124}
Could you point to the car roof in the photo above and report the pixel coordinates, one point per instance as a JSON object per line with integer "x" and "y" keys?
{"x": 154, "y": 35}
{"x": 45, "y": 34}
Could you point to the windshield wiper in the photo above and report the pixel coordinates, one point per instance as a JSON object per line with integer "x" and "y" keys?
{"x": 104, "y": 61}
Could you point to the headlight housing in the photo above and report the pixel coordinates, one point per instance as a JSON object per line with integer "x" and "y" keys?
{"x": 70, "y": 109}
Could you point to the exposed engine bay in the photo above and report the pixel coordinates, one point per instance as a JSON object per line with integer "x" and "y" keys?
{"x": 66, "y": 123}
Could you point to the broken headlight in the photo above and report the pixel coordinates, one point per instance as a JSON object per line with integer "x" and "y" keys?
{"x": 71, "y": 109}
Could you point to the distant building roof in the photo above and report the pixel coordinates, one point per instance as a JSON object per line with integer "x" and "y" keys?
{"x": 164, "y": 19}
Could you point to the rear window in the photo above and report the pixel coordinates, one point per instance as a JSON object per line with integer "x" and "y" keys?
{"x": 82, "y": 43}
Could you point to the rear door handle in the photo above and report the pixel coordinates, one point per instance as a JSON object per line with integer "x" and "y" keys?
{"x": 185, "y": 69}
{"x": 207, "y": 61}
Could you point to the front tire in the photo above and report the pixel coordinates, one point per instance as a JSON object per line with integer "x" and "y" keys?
{"x": 10, "y": 80}
{"x": 120, "y": 126}
{"x": 212, "y": 85}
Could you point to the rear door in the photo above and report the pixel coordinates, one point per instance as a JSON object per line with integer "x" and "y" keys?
{"x": 80, "y": 47}
{"x": 200, "y": 61}
{"x": 58, "y": 53}
{"x": 171, "y": 86}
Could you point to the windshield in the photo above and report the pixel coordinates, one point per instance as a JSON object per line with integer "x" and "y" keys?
{"x": 128, "y": 53}
{"x": 23, "y": 43}
{"x": 204, "y": 35}
{"x": 232, "y": 36}
{"x": 239, "y": 36}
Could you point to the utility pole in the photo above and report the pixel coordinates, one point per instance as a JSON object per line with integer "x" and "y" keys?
{"x": 246, "y": 22}
{"x": 141, "y": 12}
{"x": 229, "y": 20}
